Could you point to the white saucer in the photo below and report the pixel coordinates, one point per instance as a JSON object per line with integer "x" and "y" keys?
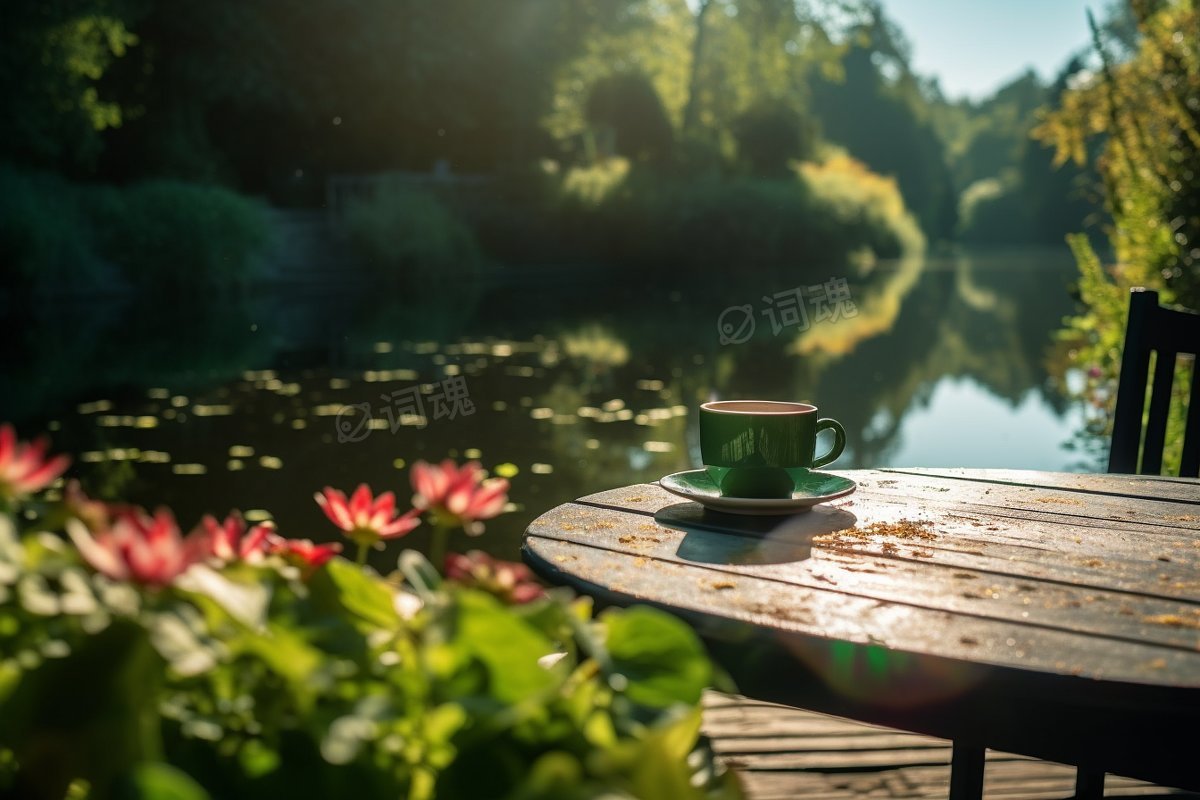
{"x": 816, "y": 487}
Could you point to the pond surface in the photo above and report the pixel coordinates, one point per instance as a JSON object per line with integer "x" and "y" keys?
{"x": 577, "y": 382}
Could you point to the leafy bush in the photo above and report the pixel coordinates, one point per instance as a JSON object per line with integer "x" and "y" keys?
{"x": 168, "y": 234}
{"x": 867, "y": 208}
{"x": 46, "y": 237}
{"x": 825, "y": 214}
{"x": 770, "y": 134}
{"x": 628, "y": 108}
{"x": 57, "y": 235}
{"x": 405, "y": 231}
{"x": 589, "y": 186}
{"x": 1145, "y": 145}
{"x": 235, "y": 663}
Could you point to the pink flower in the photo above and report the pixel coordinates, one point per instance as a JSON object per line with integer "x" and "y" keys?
{"x": 459, "y": 494}
{"x": 24, "y": 468}
{"x": 304, "y": 551}
{"x": 230, "y": 541}
{"x": 140, "y": 548}
{"x": 511, "y": 582}
{"x": 364, "y": 518}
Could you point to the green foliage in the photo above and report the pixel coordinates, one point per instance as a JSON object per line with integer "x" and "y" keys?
{"x": 53, "y": 57}
{"x": 626, "y": 110}
{"x": 406, "y": 232}
{"x": 177, "y": 236}
{"x": 1150, "y": 158}
{"x": 877, "y": 92}
{"x": 56, "y": 235}
{"x": 853, "y": 198}
{"x": 818, "y": 213}
{"x": 590, "y": 186}
{"x": 248, "y": 681}
{"x": 1149, "y": 162}
{"x": 770, "y": 135}
{"x": 47, "y": 238}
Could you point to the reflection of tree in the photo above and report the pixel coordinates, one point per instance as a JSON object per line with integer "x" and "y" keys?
{"x": 948, "y": 330}
{"x": 987, "y": 318}
{"x": 116, "y": 345}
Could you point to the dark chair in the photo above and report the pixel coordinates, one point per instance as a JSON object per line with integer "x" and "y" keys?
{"x": 1167, "y": 332}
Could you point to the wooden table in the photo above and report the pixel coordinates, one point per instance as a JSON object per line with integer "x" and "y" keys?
{"x": 1047, "y": 614}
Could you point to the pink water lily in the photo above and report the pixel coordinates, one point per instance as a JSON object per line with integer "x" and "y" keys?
{"x": 303, "y": 551}
{"x": 510, "y": 581}
{"x": 149, "y": 550}
{"x": 231, "y": 541}
{"x": 364, "y": 518}
{"x": 458, "y": 494}
{"x": 24, "y": 468}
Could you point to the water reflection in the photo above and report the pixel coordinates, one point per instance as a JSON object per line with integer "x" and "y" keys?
{"x": 573, "y": 387}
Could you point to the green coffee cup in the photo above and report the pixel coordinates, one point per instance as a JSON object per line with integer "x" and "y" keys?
{"x": 758, "y": 448}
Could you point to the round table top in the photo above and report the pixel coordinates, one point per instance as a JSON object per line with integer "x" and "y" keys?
{"x": 928, "y": 596}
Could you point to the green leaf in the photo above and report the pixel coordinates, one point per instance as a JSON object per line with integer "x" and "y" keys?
{"x": 10, "y": 676}
{"x": 159, "y": 781}
{"x": 285, "y": 652}
{"x": 360, "y": 594}
{"x": 661, "y": 770}
{"x": 257, "y": 758}
{"x": 506, "y": 644}
{"x": 655, "y": 764}
{"x": 660, "y": 658}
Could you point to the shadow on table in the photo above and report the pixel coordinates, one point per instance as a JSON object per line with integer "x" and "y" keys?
{"x": 716, "y": 538}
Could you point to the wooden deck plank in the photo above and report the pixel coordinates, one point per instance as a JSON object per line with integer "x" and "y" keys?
{"x": 862, "y": 761}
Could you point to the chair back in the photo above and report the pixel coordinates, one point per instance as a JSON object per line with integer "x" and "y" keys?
{"x": 1167, "y": 332}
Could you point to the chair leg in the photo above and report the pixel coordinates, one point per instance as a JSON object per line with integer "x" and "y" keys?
{"x": 1089, "y": 784}
{"x": 966, "y": 772}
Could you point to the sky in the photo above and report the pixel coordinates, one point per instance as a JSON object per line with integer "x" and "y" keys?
{"x": 975, "y": 46}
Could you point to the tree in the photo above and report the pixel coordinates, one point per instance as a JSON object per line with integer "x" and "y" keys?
{"x": 876, "y": 110}
{"x": 1149, "y": 156}
{"x": 54, "y": 57}
{"x": 629, "y": 107}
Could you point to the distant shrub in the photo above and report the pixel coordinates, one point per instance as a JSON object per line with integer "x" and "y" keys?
{"x": 628, "y": 108}
{"x": 866, "y": 208}
{"x": 58, "y": 235}
{"x": 625, "y": 216}
{"x": 769, "y": 135}
{"x": 825, "y": 214}
{"x": 405, "y": 231}
{"x": 168, "y": 234}
{"x": 46, "y": 238}
{"x": 592, "y": 185}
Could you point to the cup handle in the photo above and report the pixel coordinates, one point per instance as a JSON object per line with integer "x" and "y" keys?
{"x": 839, "y": 441}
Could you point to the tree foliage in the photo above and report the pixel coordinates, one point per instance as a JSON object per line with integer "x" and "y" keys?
{"x": 1137, "y": 119}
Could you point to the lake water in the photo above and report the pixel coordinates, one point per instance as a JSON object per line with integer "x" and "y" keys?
{"x": 579, "y": 382}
